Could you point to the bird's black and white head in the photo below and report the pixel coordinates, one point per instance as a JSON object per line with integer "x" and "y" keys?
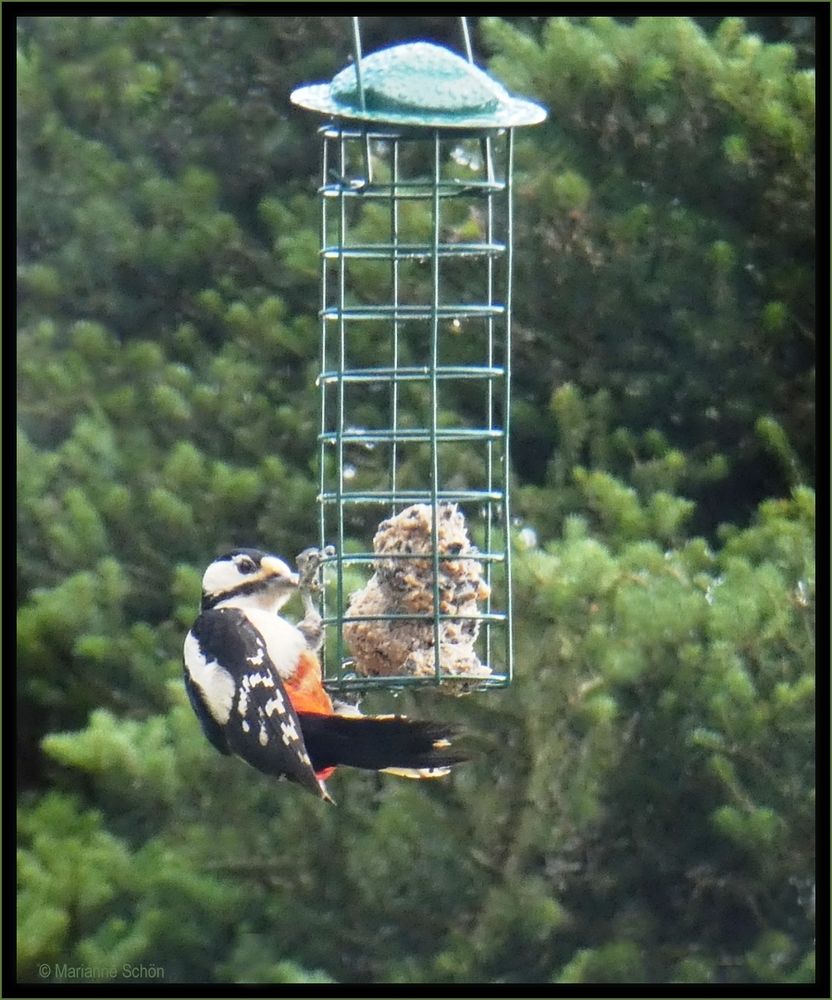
{"x": 248, "y": 578}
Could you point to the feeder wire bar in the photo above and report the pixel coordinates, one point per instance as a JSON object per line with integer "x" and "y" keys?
{"x": 509, "y": 168}
{"x": 394, "y": 383}
{"x": 342, "y": 349}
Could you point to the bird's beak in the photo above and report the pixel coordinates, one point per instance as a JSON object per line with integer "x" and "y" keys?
{"x": 278, "y": 570}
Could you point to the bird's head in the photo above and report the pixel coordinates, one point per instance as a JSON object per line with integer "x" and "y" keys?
{"x": 248, "y": 578}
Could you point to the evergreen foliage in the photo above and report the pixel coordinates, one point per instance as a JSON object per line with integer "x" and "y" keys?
{"x": 670, "y": 197}
{"x": 641, "y": 806}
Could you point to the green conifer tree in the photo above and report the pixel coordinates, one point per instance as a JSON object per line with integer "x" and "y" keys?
{"x": 641, "y": 805}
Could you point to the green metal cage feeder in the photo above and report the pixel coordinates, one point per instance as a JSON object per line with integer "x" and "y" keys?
{"x": 416, "y": 259}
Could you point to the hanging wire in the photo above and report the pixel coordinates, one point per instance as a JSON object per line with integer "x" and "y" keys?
{"x": 356, "y": 52}
{"x": 357, "y": 55}
{"x": 466, "y": 38}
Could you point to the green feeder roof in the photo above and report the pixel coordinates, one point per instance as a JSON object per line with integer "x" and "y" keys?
{"x": 419, "y": 84}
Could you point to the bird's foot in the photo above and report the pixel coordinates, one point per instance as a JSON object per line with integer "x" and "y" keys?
{"x": 309, "y": 563}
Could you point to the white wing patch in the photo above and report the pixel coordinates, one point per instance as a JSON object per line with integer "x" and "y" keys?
{"x": 289, "y": 732}
{"x": 278, "y": 641}
{"x": 257, "y": 660}
{"x": 214, "y": 682}
{"x": 248, "y": 683}
{"x": 275, "y": 704}
{"x": 261, "y": 678}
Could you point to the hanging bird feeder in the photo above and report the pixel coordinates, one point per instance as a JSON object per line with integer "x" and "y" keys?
{"x": 416, "y": 258}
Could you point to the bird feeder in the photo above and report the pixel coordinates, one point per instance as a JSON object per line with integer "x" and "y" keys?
{"x": 415, "y": 310}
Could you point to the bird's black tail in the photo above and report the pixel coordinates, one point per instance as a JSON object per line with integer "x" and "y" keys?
{"x": 380, "y": 743}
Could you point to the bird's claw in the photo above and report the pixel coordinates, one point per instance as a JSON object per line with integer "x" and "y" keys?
{"x": 309, "y": 563}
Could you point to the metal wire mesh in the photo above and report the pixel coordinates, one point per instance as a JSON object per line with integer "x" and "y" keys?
{"x": 415, "y": 369}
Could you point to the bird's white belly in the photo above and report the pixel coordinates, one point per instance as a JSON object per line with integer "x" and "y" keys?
{"x": 284, "y": 643}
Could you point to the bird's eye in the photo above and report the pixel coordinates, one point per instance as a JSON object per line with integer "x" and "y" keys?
{"x": 245, "y": 565}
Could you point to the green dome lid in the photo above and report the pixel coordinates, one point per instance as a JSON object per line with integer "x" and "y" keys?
{"x": 419, "y": 83}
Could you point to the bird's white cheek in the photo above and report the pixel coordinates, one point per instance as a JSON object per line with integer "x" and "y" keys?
{"x": 215, "y": 683}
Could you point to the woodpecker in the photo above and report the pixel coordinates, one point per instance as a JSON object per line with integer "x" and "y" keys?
{"x": 255, "y": 683}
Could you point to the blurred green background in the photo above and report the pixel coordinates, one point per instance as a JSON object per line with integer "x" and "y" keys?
{"x": 641, "y": 808}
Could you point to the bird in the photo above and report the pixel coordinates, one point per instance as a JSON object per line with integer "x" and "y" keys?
{"x": 255, "y": 682}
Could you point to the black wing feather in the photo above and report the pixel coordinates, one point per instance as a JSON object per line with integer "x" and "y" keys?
{"x": 263, "y": 727}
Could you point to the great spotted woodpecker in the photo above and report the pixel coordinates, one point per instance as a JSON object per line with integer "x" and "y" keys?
{"x": 254, "y": 681}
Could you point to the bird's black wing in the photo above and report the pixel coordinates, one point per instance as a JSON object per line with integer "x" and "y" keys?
{"x": 261, "y": 725}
